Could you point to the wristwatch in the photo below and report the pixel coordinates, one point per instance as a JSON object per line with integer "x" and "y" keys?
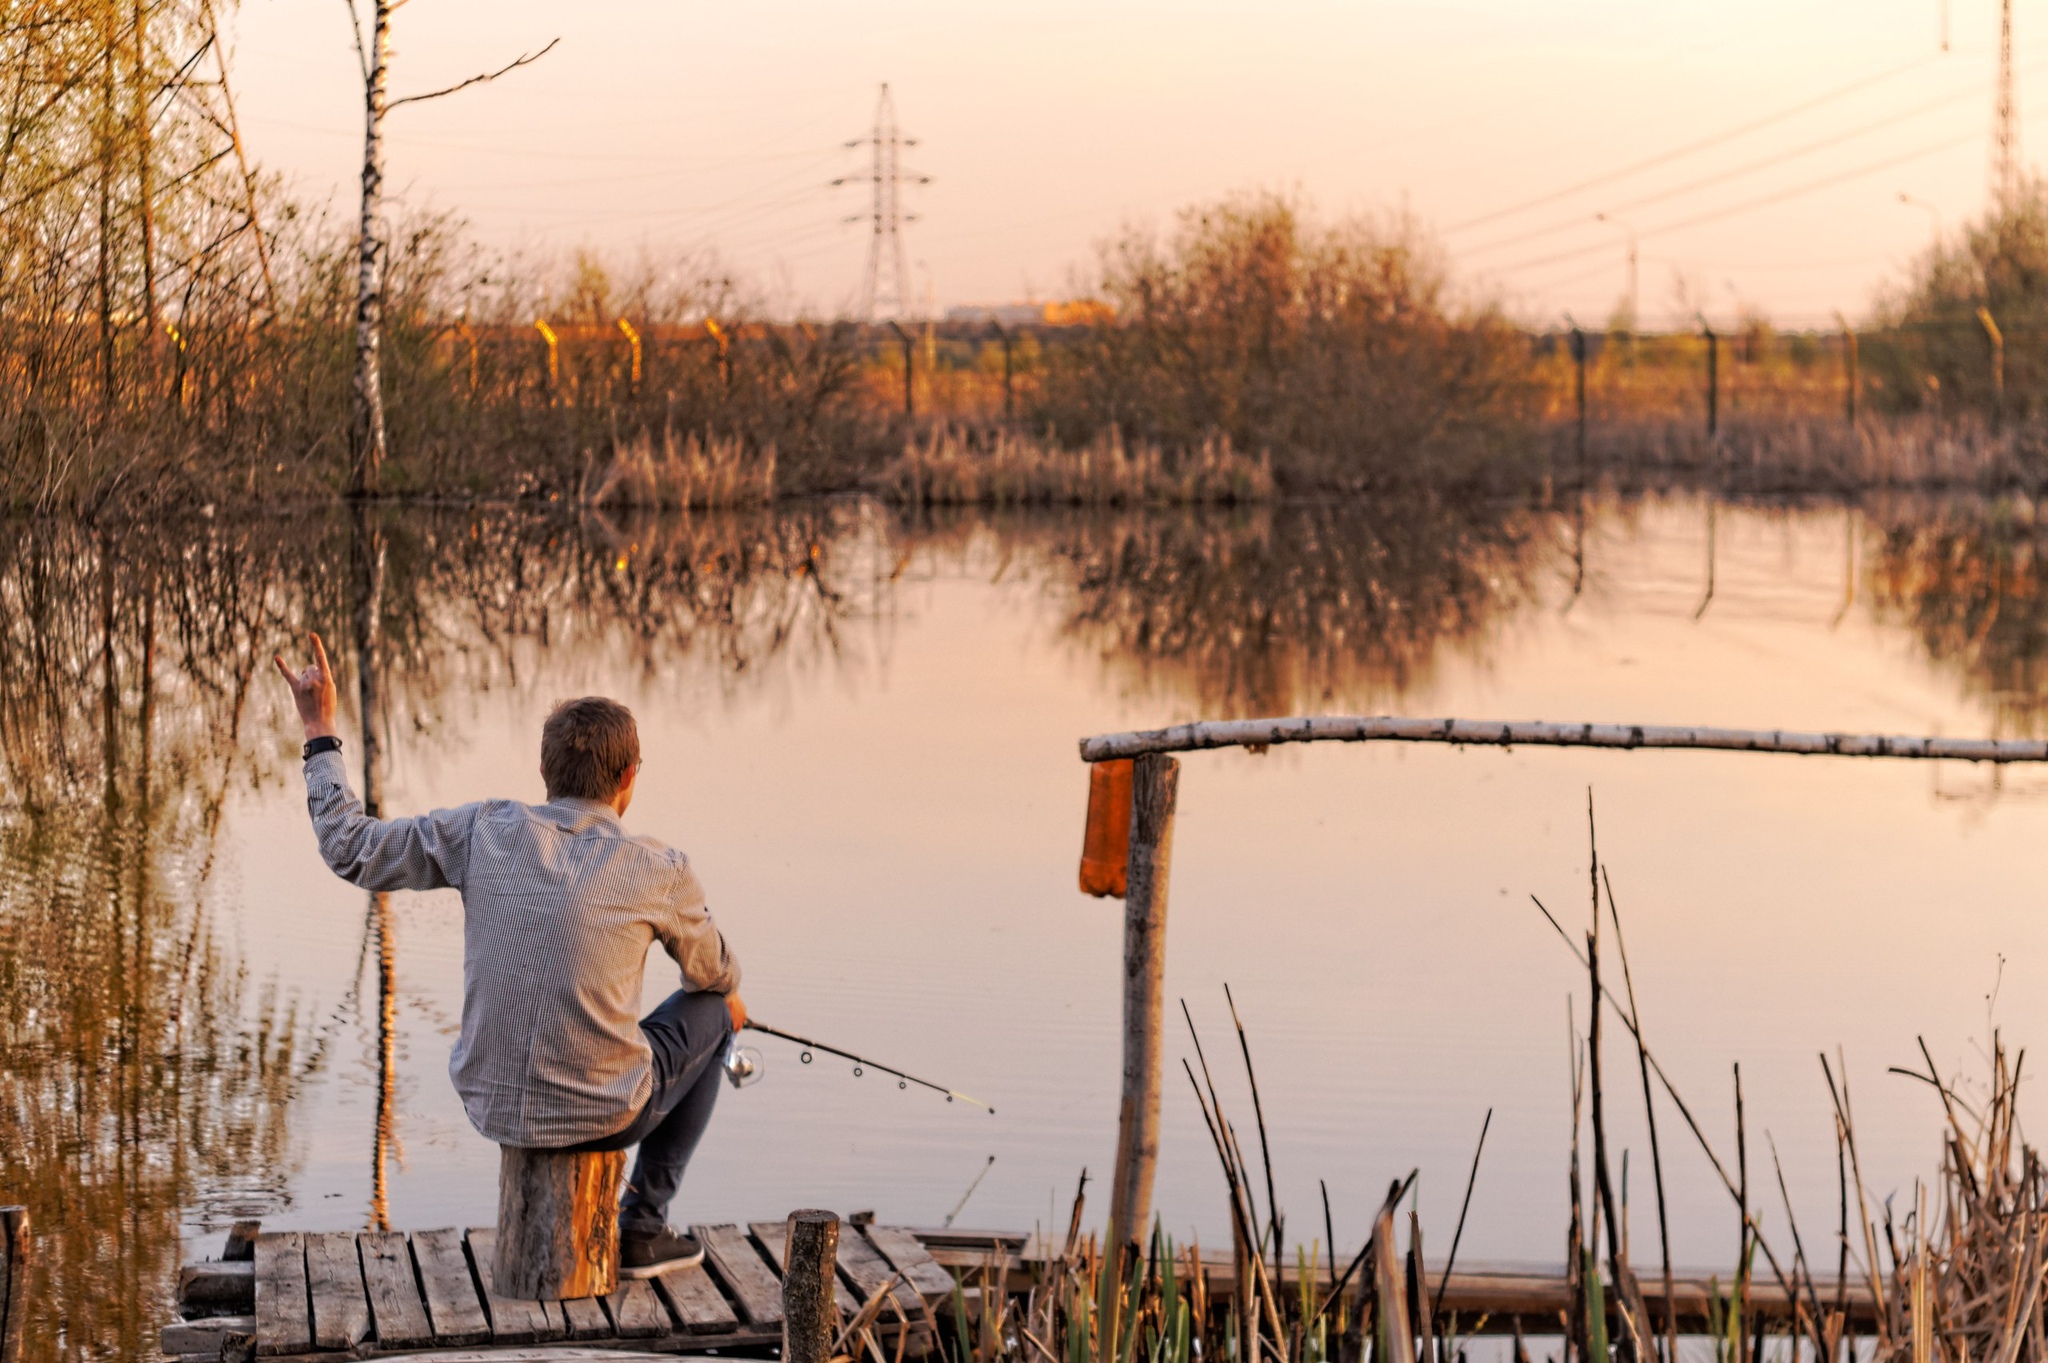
{"x": 316, "y": 746}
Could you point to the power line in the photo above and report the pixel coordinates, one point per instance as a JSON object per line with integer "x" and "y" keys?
{"x": 1737, "y": 172}
{"x": 1761, "y": 202}
{"x": 1728, "y": 135}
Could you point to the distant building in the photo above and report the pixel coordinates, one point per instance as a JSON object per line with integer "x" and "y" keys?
{"x": 1029, "y": 314}
{"x": 1008, "y": 314}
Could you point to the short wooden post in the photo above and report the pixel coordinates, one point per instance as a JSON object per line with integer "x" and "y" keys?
{"x": 1579, "y": 363}
{"x": 1003, "y": 335}
{"x": 1713, "y": 381}
{"x": 14, "y": 1256}
{"x": 809, "y": 1311}
{"x": 1997, "y": 339}
{"x": 1155, "y": 781}
{"x": 909, "y": 368}
{"x": 558, "y": 1223}
{"x": 1852, "y": 383}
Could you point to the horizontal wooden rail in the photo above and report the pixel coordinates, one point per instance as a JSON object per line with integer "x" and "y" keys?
{"x": 1259, "y": 733}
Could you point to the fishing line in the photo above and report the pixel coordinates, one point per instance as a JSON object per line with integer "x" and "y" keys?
{"x": 861, "y": 1063}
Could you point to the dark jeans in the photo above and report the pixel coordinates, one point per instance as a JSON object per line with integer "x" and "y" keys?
{"x": 687, "y": 1033}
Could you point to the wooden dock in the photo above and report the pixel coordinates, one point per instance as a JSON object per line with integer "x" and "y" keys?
{"x": 330, "y": 1295}
{"x": 334, "y": 1295}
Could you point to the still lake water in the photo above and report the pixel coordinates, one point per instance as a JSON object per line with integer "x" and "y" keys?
{"x": 863, "y": 732}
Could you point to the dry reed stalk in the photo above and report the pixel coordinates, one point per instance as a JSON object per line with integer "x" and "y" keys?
{"x": 1274, "y": 1222}
{"x": 1577, "y": 1322}
{"x": 1471, "y": 1180}
{"x": 1650, "y": 1117}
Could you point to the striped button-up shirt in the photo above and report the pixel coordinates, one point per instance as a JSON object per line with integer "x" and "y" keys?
{"x": 559, "y": 907}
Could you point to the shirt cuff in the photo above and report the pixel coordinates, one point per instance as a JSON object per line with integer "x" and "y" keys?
{"x": 327, "y": 764}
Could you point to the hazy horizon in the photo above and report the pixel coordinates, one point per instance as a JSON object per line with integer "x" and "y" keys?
{"x": 1048, "y": 129}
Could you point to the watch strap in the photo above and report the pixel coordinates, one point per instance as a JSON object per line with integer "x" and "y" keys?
{"x": 324, "y": 743}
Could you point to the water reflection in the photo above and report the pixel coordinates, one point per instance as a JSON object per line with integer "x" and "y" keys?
{"x": 1297, "y": 608}
{"x": 1968, "y": 580}
{"x": 147, "y": 1084}
{"x": 143, "y": 1079}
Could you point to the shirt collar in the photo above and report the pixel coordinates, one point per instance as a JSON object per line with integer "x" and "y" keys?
{"x": 575, "y": 808}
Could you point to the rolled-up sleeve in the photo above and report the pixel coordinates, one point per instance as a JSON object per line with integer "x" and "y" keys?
{"x": 426, "y": 852}
{"x": 693, "y": 940}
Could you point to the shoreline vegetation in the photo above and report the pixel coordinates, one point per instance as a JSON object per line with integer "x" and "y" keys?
{"x": 1954, "y": 1275}
{"x": 180, "y": 331}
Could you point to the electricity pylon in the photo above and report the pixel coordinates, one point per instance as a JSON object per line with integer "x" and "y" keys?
{"x": 2005, "y": 131}
{"x": 885, "y": 288}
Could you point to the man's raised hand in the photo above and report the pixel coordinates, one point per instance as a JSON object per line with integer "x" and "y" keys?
{"x": 312, "y": 690}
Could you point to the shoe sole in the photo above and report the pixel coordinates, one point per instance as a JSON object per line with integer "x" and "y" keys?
{"x": 655, "y": 1270}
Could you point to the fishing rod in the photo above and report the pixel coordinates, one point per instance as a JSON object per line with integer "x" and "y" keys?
{"x": 740, "y": 1067}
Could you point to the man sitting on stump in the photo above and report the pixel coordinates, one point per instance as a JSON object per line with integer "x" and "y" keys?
{"x": 559, "y": 907}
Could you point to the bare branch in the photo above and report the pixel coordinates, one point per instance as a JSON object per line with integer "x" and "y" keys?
{"x": 527, "y": 60}
{"x": 355, "y": 27}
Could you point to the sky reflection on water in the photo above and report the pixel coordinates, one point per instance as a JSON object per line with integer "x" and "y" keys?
{"x": 863, "y": 733}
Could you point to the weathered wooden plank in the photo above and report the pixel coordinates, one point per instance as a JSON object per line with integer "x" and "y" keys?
{"x": 904, "y": 1251}
{"x": 744, "y": 1272}
{"x": 396, "y": 1313}
{"x": 283, "y": 1323}
{"x": 202, "y": 1336}
{"x": 218, "y": 1285}
{"x": 774, "y": 1240}
{"x": 452, "y": 1304}
{"x": 541, "y": 1353}
{"x": 584, "y": 1318}
{"x": 513, "y": 1319}
{"x": 341, "y": 1309}
{"x": 241, "y": 1244}
{"x": 637, "y": 1312}
{"x": 699, "y": 1307}
{"x": 14, "y": 1256}
{"x": 864, "y": 1270}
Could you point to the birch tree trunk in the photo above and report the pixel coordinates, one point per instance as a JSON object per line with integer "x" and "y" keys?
{"x": 366, "y": 407}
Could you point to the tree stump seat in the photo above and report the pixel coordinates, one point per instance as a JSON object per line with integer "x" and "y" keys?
{"x": 558, "y": 1223}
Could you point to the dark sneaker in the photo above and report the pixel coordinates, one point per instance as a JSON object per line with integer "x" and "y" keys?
{"x": 650, "y": 1253}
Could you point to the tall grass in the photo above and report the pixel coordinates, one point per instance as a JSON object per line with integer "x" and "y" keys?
{"x": 949, "y": 467}
{"x": 1957, "y": 1276}
{"x": 701, "y": 472}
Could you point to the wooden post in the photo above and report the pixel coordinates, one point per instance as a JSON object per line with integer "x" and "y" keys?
{"x": 1003, "y": 335}
{"x": 1852, "y": 382}
{"x": 1713, "y": 381}
{"x": 14, "y": 1255}
{"x": 809, "y": 1313}
{"x": 1155, "y": 781}
{"x": 1579, "y": 362}
{"x": 1997, "y": 339}
{"x": 909, "y": 368}
{"x": 558, "y": 1224}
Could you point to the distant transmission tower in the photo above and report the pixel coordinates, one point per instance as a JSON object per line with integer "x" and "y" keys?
{"x": 885, "y": 288}
{"x": 2005, "y": 130}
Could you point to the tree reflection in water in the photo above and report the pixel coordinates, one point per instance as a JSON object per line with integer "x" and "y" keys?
{"x": 1970, "y": 580}
{"x": 146, "y": 1084}
{"x": 1295, "y": 608}
{"x": 143, "y": 1080}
